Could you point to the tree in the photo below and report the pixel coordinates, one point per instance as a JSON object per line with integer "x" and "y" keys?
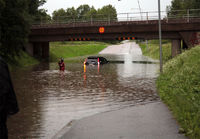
{"x": 71, "y": 14}
{"x": 180, "y": 7}
{"x": 15, "y": 23}
{"x": 14, "y": 28}
{"x": 2, "y": 5}
{"x": 82, "y": 10}
{"x": 33, "y": 6}
{"x": 59, "y": 15}
{"x": 107, "y": 13}
{"x": 85, "y": 13}
{"x": 43, "y": 16}
{"x": 92, "y": 14}
{"x": 37, "y": 15}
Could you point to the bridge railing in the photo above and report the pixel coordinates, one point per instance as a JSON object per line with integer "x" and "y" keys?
{"x": 138, "y": 17}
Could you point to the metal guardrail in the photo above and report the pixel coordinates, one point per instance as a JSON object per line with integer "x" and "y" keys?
{"x": 139, "y": 17}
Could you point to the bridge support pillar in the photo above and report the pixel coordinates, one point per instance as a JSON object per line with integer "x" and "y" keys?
{"x": 176, "y": 47}
{"x": 38, "y": 49}
{"x": 45, "y": 50}
{"x": 29, "y": 49}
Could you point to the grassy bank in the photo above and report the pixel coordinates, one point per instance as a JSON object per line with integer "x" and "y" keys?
{"x": 153, "y": 50}
{"x": 70, "y": 50}
{"x": 23, "y": 61}
{"x": 179, "y": 87}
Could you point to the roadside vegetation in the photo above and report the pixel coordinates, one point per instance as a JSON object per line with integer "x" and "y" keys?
{"x": 23, "y": 61}
{"x": 75, "y": 51}
{"x": 179, "y": 88}
{"x": 152, "y": 50}
{"x": 179, "y": 85}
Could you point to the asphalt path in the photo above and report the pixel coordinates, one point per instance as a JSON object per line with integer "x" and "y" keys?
{"x": 149, "y": 121}
{"x": 124, "y": 48}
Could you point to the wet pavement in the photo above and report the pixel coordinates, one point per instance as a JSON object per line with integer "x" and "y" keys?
{"x": 49, "y": 99}
{"x": 149, "y": 121}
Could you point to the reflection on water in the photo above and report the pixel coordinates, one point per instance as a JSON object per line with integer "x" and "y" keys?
{"x": 50, "y": 99}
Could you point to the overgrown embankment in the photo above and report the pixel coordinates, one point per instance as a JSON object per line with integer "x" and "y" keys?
{"x": 23, "y": 61}
{"x": 71, "y": 50}
{"x": 152, "y": 49}
{"x": 179, "y": 87}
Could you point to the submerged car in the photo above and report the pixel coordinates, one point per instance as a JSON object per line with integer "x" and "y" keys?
{"x": 95, "y": 60}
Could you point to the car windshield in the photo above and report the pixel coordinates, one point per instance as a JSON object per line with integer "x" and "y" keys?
{"x": 91, "y": 60}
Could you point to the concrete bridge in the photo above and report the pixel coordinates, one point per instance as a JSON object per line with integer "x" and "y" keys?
{"x": 185, "y": 30}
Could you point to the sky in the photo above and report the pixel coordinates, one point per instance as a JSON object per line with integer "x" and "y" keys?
{"x": 122, "y": 6}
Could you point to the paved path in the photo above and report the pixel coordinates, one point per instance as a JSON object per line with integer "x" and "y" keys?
{"x": 124, "y": 48}
{"x": 149, "y": 121}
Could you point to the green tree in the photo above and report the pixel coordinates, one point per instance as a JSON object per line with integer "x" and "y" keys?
{"x": 92, "y": 14}
{"x": 82, "y": 11}
{"x": 85, "y": 13}
{"x": 107, "y": 13}
{"x": 180, "y": 8}
{"x": 33, "y": 6}
{"x": 71, "y": 14}
{"x": 59, "y": 15}
{"x": 43, "y": 17}
{"x": 14, "y": 28}
{"x": 37, "y": 15}
{"x": 15, "y": 23}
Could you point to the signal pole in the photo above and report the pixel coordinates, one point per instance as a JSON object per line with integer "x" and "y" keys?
{"x": 160, "y": 37}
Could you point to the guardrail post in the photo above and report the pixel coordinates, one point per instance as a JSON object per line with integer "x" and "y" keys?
{"x": 188, "y": 15}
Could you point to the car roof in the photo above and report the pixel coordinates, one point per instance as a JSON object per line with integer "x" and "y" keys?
{"x": 94, "y": 57}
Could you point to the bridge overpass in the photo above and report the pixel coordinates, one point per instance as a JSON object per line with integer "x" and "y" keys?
{"x": 176, "y": 29}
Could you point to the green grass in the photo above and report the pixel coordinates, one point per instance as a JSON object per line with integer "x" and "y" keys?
{"x": 23, "y": 61}
{"x": 179, "y": 87}
{"x": 72, "y": 51}
{"x": 153, "y": 50}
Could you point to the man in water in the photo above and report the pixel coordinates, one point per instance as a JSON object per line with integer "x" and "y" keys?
{"x": 61, "y": 64}
{"x": 8, "y": 101}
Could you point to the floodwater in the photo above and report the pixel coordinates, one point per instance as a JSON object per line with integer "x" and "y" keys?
{"x": 50, "y": 99}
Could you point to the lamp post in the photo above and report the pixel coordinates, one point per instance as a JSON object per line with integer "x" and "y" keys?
{"x": 160, "y": 37}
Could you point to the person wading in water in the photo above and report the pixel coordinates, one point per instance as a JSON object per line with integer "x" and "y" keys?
{"x": 61, "y": 64}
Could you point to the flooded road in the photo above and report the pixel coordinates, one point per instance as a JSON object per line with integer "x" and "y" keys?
{"x": 49, "y": 99}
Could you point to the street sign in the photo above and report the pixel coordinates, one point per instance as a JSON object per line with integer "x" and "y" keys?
{"x": 101, "y": 30}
